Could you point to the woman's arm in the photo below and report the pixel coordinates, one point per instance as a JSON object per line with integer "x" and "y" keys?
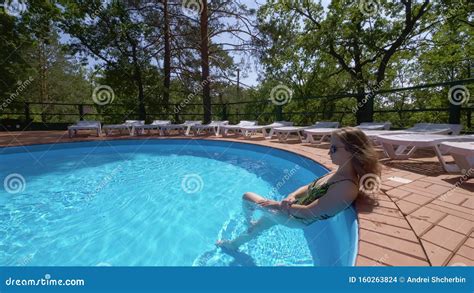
{"x": 338, "y": 197}
{"x": 297, "y": 193}
{"x": 302, "y": 191}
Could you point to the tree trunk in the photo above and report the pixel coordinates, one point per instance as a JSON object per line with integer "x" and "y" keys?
{"x": 206, "y": 89}
{"x": 167, "y": 57}
{"x": 43, "y": 78}
{"x": 365, "y": 106}
{"x": 139, "y": 81}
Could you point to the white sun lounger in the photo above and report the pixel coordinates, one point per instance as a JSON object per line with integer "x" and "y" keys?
{"x": 186, "y": 127}
{"x": 128, "y": 125}
{"x": 323, "y": 133}
{"x": 463, "y": 154}
{"x": 422, "y": 128}
{"x": 375, "y": 125}
{"x": 407, "y": 144}
{"x": 267, "y": 130}
{"x": 437, "y": 128}
{"x": 214, "y": 126}
{"x": 84, "y": 125}
{"x": 156, "y": 124}
{"x": 284, "y": 132}
{"x": 224, "y": 129}
{"x": 373, "y": 134}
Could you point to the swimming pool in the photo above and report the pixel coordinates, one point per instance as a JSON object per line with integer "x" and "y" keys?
{"x": 156, "y": 203}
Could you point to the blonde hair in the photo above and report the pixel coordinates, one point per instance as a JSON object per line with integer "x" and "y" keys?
{"x": 364, "y": 157}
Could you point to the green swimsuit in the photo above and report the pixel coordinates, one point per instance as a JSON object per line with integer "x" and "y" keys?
{"x": 315, "y": 192}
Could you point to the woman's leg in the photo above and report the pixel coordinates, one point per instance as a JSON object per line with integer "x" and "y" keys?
{"x": 260, "y": 226}
{"x": 250, "y": 202}
{"x": 268, "y": 220}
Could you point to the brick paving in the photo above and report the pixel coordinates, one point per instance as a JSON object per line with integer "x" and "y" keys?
{"x": 421, "y": 216}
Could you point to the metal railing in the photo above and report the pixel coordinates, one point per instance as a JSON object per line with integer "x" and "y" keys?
{"x": 38, "y": 115}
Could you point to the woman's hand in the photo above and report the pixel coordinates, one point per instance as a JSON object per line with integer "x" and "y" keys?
{"x": 290, "y": 199}
{"x": 285, "y": 205}
{"x": 270, "y": 204}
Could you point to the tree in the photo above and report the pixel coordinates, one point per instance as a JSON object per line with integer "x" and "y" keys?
{"x": 448, "y": 56}
{"x": 167, "y": 54}
{"x": 215, "y": 21}
{"x": 362, "y": 45}
{"x": 43, "y": 70}
{"x": 15, "y": 42}
{"x": 116, "y": 35}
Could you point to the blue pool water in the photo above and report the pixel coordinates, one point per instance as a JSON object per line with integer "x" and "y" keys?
{"x": 156, "y": 203}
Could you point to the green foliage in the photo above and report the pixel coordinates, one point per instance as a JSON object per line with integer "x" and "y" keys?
{"x": 318, "y": 52}
{"x": 69, "y": 48}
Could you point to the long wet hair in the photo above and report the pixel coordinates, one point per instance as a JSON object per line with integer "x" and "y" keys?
{"x": 364, "y": 157}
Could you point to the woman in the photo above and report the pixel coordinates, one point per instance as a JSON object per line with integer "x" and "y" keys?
{"x": 355, "y": 157}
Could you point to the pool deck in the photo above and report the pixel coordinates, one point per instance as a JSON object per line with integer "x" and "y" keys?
{"x": 421, "y": 216}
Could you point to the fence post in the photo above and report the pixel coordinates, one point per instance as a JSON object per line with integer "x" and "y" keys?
{"x": 27, "y": 112}
{"x": 279, "y": 113}
{"x": 81, "y": 112}
{"x": 468, "y": 118}
{"x": 454, "y": 114}
{"x": 224, "y": 112}
{"x": 176, "y": 114}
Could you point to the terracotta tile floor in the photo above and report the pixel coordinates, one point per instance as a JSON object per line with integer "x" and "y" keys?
{"x": 425, "y": 220}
